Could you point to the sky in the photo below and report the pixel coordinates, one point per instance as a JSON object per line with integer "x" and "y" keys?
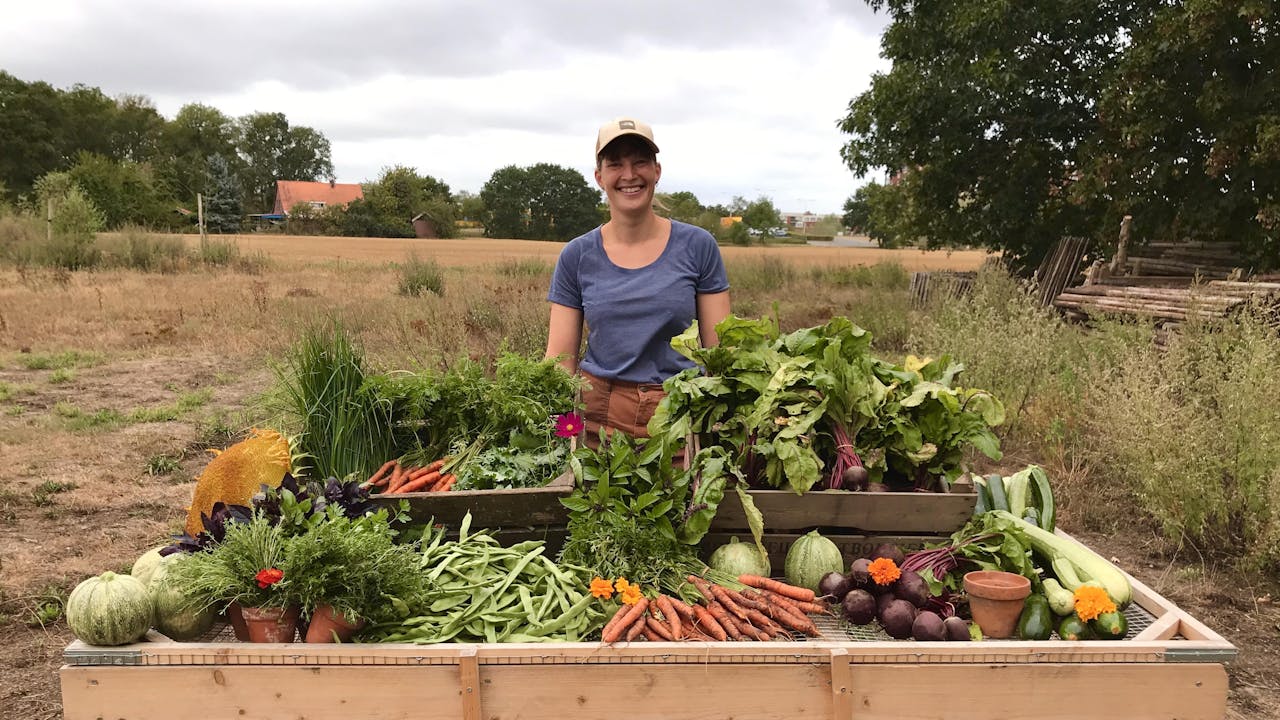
{"x": 743, "y": 95}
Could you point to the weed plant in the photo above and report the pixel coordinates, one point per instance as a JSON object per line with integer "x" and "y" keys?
{"x": 418, "y": 276}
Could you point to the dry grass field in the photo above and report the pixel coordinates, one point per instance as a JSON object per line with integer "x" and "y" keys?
{"x": 115, "y": 383}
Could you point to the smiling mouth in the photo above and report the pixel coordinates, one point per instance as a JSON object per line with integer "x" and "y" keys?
{"x": 632, "y": 190}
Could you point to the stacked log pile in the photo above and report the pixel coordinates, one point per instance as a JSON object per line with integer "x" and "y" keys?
{"x": 1169, "y": 305}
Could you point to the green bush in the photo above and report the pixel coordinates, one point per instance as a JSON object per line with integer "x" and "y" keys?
{"x": 137, "y": 249}
{"x": 418, "y": 276}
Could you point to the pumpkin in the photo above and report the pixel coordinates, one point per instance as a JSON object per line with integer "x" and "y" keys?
{"x": 177, "y": 614}
{"x": 110, "y": 609}
{"x": 811, "y": 557}
{"x": 737, "y": 558}
{"x": 146, "y": 565}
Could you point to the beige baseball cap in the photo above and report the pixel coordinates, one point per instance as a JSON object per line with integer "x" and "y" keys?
{"x": 615, "y": 129}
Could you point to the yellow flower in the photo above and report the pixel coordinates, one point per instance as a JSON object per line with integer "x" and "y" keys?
{"x": 884, "y": 571}
{"x": 621, "y": 585}
{"x": 631, "y": 595}
{"x": 601, "y": 588}
{"x": 1090, "y": 602}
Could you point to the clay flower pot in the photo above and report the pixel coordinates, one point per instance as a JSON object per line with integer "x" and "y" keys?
{"x": 271, "y": 625}
{"x": 326, "y": 623}
{"x": 995, "y": 599}
{"x": 235, "y": 617}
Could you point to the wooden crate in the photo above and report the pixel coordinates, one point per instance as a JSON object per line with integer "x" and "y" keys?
{"x": 784, "y": 511}
{"x": 1172, "y": 668}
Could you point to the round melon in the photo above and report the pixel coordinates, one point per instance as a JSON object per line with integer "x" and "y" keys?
{"x": 110, "y": 609}
{"x": 177, "y": 614}
{"x": 738, "y": 558}
{"x": 811, "y": 557}
{"x": 146, "y": 564}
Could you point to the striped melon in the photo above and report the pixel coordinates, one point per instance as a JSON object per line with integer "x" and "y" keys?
{"x": 809, "y": 558}
{"x": 146, "y": 564}
{"x": 109, "y": 609}
{"x": 178, "y": 615}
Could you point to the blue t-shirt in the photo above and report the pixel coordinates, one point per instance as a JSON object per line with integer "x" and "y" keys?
{"x": 632, "y": 314}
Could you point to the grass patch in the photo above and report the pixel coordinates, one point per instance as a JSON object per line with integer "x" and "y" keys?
{"x": 163, "y": 465}
{"x": 173, "y": 411}
{"x": 889, "y": 275}
{"x": 760, "y": 275}
{"x": 61, "y": 376}
{"x": 523, "y": 268}
{"x": 7, "y": 391}
{"x": 14, "y": 410}
{"x": 42, "y": 495}
{"x": 418, "y": 276}
{"x": 45, "y": 608}
{"x": 76, "y": 419}
{"x": 65, "y": 360}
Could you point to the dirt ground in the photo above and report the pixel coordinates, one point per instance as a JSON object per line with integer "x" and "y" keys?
{"x": 80, "y": 493}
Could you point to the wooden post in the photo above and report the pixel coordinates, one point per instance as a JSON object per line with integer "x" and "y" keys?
{"x": 200, "y": 219}
{"x": 1122, "y": 249}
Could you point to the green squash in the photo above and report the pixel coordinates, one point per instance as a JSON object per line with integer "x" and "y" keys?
{"x": 110, "y": 609}
{"x": 738, "y": 558}
{"x": 811, "y": 557}
{"x": 177, "y": 614}
{"x": 146, "y": 564}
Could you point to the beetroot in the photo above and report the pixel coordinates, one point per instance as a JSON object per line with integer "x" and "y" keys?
{"x": 927, "y": 626}
{"x": 860, "y": 573}
{"x": 834, "y": 585}
{"x": 891, "y": 551}
{"x": 956, "y": 628}
{"x": 859, "y": 606}
{"x": 897, "y": 618}
{"x": 911, "y": 587}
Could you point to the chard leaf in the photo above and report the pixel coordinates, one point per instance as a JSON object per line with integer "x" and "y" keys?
{"x": 755, "y": 520}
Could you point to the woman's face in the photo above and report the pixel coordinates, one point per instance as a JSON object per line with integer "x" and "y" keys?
{"x": 628, "y": 179}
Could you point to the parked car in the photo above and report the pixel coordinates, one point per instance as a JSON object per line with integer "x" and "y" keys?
{"x": 779, "y": 232}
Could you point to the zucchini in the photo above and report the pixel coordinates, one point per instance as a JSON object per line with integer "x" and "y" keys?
{"x": 998, "y": 499}
{"x": 1061, "y": 600}
{"x": 1036, "y": 620}
{"x": 1110, "y": 626}
{"x": 984, "y": 496}
{"x": 1072, "y": 627}
{"x": 1016, "y": 490}
{"x": 1073, "y": 563}
{"x": 1042, "y": 498}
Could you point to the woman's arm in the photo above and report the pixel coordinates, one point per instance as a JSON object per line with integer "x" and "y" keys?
{"x": 712, "y": 308}
{"x": 564, "y": 336}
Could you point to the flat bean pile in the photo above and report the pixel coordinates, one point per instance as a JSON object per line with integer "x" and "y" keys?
{"x": 487, "y": 593}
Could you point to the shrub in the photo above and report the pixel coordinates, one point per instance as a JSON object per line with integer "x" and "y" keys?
{"x": 418, "y": 276}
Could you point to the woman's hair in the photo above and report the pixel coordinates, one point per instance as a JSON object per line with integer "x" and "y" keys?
{"x": 626, "y": 145}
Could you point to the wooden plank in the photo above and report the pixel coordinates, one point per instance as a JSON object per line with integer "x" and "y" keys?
{"x": 259, "y": 692}
{"x": 1040, "y": 692}
{"x": 841, "y": 685}
{"x": 897, "y": 512}
{"x": 608, "y": 692}
{"x": 522, "y": 507}
{"x": 469, "y": 685}
{"x": 1163, "y": 628}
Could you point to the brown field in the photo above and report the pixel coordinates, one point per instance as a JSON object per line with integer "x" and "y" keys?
{"x": 467, "y": 251}
{"x": 85, "y": 488}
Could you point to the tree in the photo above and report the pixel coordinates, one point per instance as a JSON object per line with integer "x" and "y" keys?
{"x": 540, "y": 202}
{"x": 185, "y": 144}
{"x": 222, "y": 209}
{"x": 124, "y": 191}
{"x": 399, "y": 195}
{"x": 987, "y": 105}
{"x": 470, "y": 206}
{"x": 761, "y": 215}
{"x": 882, "y": 213}
{"x": 271, "y": 150}
{"x": 682, "y": 205}
{"x": 30, "y": 133}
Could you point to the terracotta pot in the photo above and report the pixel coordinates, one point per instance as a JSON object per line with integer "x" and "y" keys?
{"x": 326, "y": 622}
{"x": 995, "y": 599}
{"x": 271, "y": 625}
{"x": 236, "y": 618}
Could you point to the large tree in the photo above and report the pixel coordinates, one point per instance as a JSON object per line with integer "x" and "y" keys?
{"x": 185, "y": 145}
{"x": 125, "y": 192}
{"x": 273, "y": 150}
{"x": 30, "y": 132}
{"x": 540, "y": 202}
{"x": 399, "y": 195}
{"x": 1011, "y": 124}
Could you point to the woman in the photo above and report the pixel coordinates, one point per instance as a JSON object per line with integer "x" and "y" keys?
{"x": 635, "y": 282}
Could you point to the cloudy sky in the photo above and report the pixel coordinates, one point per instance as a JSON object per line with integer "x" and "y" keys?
{"x": 743, "y": 95}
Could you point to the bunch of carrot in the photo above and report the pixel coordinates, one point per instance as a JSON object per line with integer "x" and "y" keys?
{"x": 392, "y": 478}
{"x": 765, "y": 610}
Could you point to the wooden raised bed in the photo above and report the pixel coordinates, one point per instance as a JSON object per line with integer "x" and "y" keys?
{"x": 1171, "y": 667}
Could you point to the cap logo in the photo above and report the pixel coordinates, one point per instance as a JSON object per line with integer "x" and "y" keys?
{"x": 626, "y": 125}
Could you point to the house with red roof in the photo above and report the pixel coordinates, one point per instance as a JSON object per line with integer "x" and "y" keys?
{"x": 318, "y": 195}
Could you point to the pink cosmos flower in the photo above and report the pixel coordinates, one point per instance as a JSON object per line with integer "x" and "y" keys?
{"x": 568, "y": 425}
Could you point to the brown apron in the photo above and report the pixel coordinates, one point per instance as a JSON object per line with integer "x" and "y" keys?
{"x": 618, "y": 406}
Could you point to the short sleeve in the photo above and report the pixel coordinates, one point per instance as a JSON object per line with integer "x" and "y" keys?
{"x": 712, "y": 277}
{"x": 566, "y": 286}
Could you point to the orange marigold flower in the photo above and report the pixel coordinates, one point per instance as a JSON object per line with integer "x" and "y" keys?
{"x": 884, "y": 571}
{"x": 601, "y": 588}
{"x": 1090, "y": 602}
{"x": 621, "y": 585}
{"x": 631, "y": 595}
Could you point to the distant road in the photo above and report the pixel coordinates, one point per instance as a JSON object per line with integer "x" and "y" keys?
{"x": 471, "y": 251}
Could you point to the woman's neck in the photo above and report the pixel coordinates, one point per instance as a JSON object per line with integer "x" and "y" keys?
{"x": 634, "y": 230}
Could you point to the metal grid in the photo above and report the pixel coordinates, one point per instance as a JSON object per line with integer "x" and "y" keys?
{"x": 839, "y": 629}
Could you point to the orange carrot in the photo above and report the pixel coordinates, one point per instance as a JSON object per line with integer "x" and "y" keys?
{"x": 657, "y": 628}
{"x": 708, "y": 623}
{"x": 613, "y": 621}
{"x": 668, "y": 611}
{"x": 764, "y": 583}
{"x": 647, "y": 633}
{"x": 418, "y": 485}
{"x": 446, "y": 483}
{"x": 378, "y": 478}
{"x": 724, "y": 598}
{"x": 800, "y": 606}
{"x": 419, "y": 472}
{"x": 704, "y": 588}
{"x": 614, "y": 632}
{"x": 435, "y": 465}
{"x": 784, "y": 613}
{"x": 637, "y": 628}
{"x": 724, "y": 619}
{"x": 397, "y": 477}
{"x": 684, "y": 611}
